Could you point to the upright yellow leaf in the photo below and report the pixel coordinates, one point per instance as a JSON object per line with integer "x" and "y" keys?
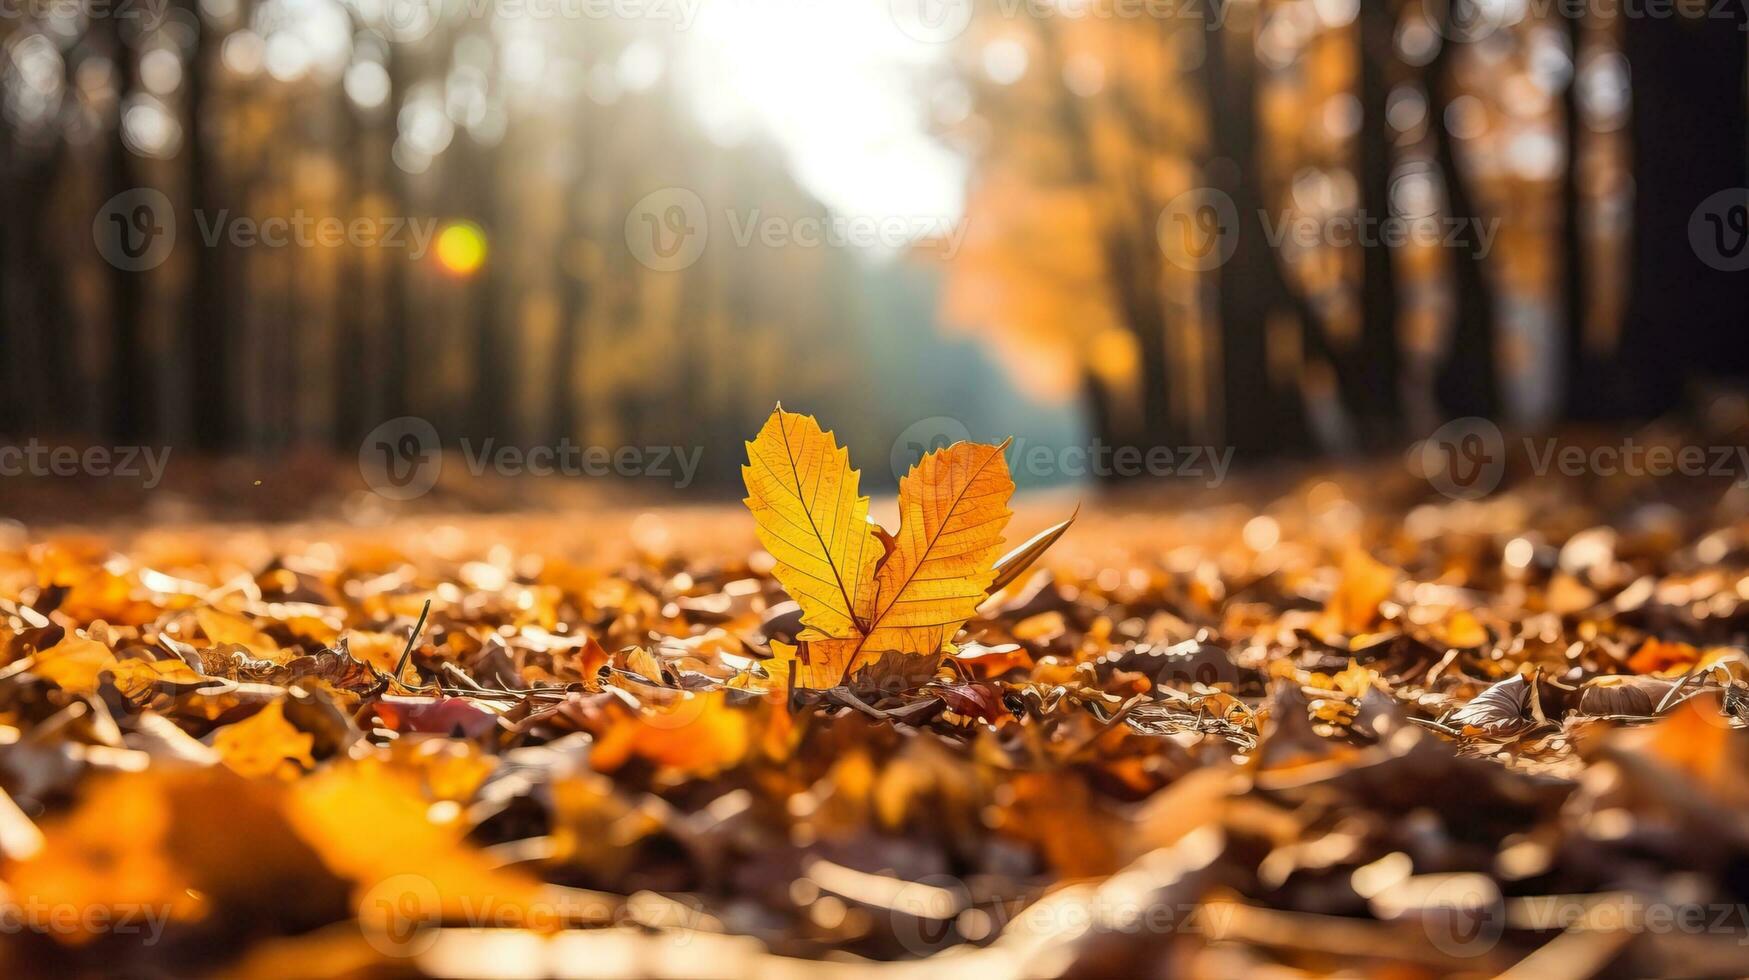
{"x": 803, "y": 495}
{"x": 953, "y": 506}
{"x": 865, "y": 594}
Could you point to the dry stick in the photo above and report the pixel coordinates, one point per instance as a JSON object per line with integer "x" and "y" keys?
{"x": 1435, "y": 726}
{"x": 412, "y": 638}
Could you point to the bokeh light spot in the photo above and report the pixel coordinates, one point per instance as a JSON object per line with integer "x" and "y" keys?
{"x": 461, "y": 248}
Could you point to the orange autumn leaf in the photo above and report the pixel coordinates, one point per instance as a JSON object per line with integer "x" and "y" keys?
{"x": 372, "y": 823}
{"x": 1461, "y": 630}
{"x": 1354, "y": 607}
{"x": 1656, "y": 656}
{"x": 85, "y": 863}
{"x": 265, "y": 744}
{"x": 224, "y": 628}
{"x": 78, "y": 664}
{"x": 382, "y": 651}
{"x": 698, "y": 734}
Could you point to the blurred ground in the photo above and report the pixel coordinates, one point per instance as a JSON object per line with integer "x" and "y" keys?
{"x": 1326, "y": 721}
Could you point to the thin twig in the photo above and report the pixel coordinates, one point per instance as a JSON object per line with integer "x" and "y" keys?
{"x": 412, "y": 639}
{"x": 1679, "y": 686}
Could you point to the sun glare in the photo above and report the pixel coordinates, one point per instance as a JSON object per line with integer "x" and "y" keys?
{"x": 836, "y": 85}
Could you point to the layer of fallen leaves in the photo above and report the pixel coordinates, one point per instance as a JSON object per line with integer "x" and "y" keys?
{"x": 1305, "y": 733}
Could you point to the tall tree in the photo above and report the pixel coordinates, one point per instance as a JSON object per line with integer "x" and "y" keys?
{"x": 130, "y": 370}
{"x": 1126, "y": 243}
{"x": 210, "y": 334}
{"x": 396, "y": 382}
{"x": 1260, "y": 413}
{"x": 1377, "y": 404}
{"x": 12, "y": 402}
{"x": 1687, "y": 140}
{"x": 1580, "y": 398}
{"x": 1466, "y": 383}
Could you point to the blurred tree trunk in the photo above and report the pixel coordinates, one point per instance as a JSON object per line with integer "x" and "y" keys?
{"x": 1132, "y": 263}
{"x": 210, "y": 330}
{"x": 1376, "y": 405}
{"x": 562, "y": 381}
{"x": 51, "y": 374}
{"x": 495, "y": 323}
{"x": 1259, "y": 414}
{"x": 130, "y": 370}
{"x": 1685, "y": 317}
{"x": 395, "y": 382}
{"x": 1467, "y": 381}
{"x": 1581, "y": 394}
{"x": 13, "y": 408}
{"x": 352, "y": 363}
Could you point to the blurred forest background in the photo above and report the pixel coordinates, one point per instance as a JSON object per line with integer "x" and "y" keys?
{"x": 1060, "y": 169}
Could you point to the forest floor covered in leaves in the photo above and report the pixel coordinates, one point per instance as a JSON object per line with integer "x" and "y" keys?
{"x": 1341, "y": 724}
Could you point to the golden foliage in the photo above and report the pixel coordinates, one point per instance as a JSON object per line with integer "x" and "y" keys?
{"x": 860, "y": 597}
